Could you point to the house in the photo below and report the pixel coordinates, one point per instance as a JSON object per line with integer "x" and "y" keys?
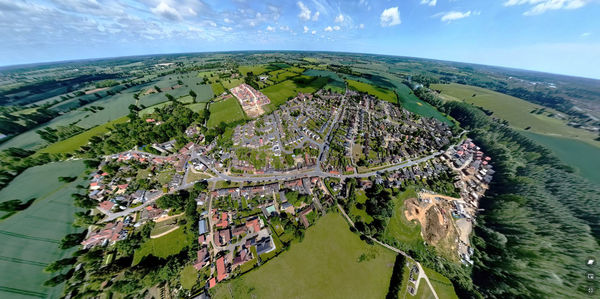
{"x": 303, "y": 216}
{"x": 242, "y": 257}
{"x": 264, "y": 245}
{"x": 222, "y": 237}
{"x": 253, "y": 225}
{"x": 106, "y": 205}
{"x": 202, "y": 258}
{"x": 110, "y": 234}
{"x": 221, "y": 274}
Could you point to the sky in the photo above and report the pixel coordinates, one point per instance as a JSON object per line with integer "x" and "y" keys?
{"x": 556, "y": 36}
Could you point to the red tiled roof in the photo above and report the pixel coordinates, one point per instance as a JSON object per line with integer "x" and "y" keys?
{"x": 221, "y": 274}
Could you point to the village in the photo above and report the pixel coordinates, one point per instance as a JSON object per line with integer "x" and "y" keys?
{"x": 284, "y": 170}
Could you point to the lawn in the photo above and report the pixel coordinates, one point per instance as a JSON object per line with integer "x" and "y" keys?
{"x": 324, "y": 265}
{"x": 231, "y": 83}
{"x": 162, "y": 247}
{"x": 399, "y": 228}
{"x": 189, "y": 276}
{"x": 514, "y": 110}
{"x": 30, "y": 238}
{"x": 281, "y": 92}
{"x": 196, "y": 107}
{"x": 228, "y": 110}
{"x": 381, "y": 93}
{"x": 72, "y": 144}
{"x": 424, "y": 291}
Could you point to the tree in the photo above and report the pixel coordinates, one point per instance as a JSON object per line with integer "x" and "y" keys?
{"x": 71, "y": 240}
{"x": 170, "y": 97}
{"x": 193, "y": 95}
{"x": 60, "y": 264}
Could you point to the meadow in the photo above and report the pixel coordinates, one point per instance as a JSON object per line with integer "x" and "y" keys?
{"x": 379, "y": 92}
{"x": 217, "y": 88}
{"x": 412, "y": 103}
{"x": 281, "y": 75}
{"x": 162, "y": 247}
{"x": 326, "y": 264}
{"x": 256, "y": 69}
{"x": 336, "y": 83}
{"x": 281, "y": 92}
{"x": 228, "y": 110}
{"x": 442, "y": 285}
{"x": 399, "y": 228}
{"x": 30, "y": 238}
{"x": 514, "y": 110}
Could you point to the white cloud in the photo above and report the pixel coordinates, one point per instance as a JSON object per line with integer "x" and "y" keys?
{"x": 315, "y": 16}
{"x": 336, "y": 28}
{"x": 305, "y": 29}
{"x": 339, "y": 18}
{"x": 284, "y": 28}
{"x": 541, "y": 6}
{"x": 328, "y": 29}
{"x": 454, "y": 15}
{"x": 270, "y": 29}
{"x": 314, "y": 32}
{"x": 227, "y": 29}
{"x": 304, "y": 11}
{"x": 361, "y": 26}
{"x": 163, "y": 9}
{"x": 227, "y": 20}
{"x": 390, "y": 17}
{"x": 429, "y": 2}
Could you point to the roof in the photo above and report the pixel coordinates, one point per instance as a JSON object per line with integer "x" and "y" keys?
{"x": 221, "y": 274}
{"x": 202, "y": 226}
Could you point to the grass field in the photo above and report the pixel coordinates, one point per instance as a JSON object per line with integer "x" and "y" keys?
{"x": 324, "y": 265}
{"x": 30, "y": 238}
{"x": 203, "y": 92}
{"x": 189, "y": 275}
{"x": 217, "y": 88}
{"x": 72, "y": 144}
{"x": 228, "y": 110}
{"x": 256, "y": 69}
{"x": 336, "y": 83}
{"x": 399, "y": 228}
{"x": 196, "y": 107}
{"x": 381, "y": 93}
{"x": 514, "y": 110}
{"x": 231, "y": 83}
{"x": 442, "y": 285}
{"x": 281, "y": 75}
{"x": 169, "y": 244}
{"x": 281, "y": 92}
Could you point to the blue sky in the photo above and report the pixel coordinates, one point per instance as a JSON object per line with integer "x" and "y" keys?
{"x": 558, "y": 36}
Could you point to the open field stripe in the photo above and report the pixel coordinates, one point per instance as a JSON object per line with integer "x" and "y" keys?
{"x": 22, "y": 292}
{"x": 22, "y": 261}
{"x": 22, "y": 236}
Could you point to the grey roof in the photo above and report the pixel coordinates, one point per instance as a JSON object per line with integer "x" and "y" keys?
{"x": 202, "y": 226}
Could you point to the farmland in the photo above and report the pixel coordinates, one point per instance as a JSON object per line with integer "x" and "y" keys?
{"x": 281, "y": 92}
{"x": 217, "y": 88}
{"x": 169, "y": 244}
{"x": 228, "y": 110}
{"x": 382, "y": 93}
{"x": 336, "y": 83}
{"x": 324, "y": 265}
{"x": 514, "y": 110}
{"x": 30, "y": 238}
{"x": 281, "y": 75}
{"x": 413, "y": 104}
{"x": 256, "y": 69}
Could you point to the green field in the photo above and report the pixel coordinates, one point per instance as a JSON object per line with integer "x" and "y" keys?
{"x": 281, "y": 75}
{"x": 514, "y": 110}
{"x": 203, "y": 92}
{"x": 196, "y": 107}
{"x": 324, "y": 265}
{"x": 217, "y": 88}
{"x": 581, "y": 155}
{"x": 442, "y": 285}
{"x": 231, "y": 83}
{"x": 189, "y": 276}
{"x": 167, "y": 245}
{"x": 381, "y": 93}
{"x": 399, "y": 228}
{"x": 72, "y": 144}
{"x": 413, "y": 104}
{"x": 281, "y": 92}
{"x": 336, "y": 83}
{"x": 228, "y": 110}
{"x": 30, "y": 238}
{"x": 256, "y": 69}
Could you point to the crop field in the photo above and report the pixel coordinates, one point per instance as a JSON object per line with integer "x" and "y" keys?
{"x": 336, "y": 83}
{"x": 169, "y": 244}
{"x": 324, "y": 265}
{"x": 514, "y": 110}
{"x": 30, "y": 238}
{"x": 281, "y": 92}
{"x": 581, "y": 155}
{"x": 381, "y": 93}
{"x": 413, "y": 104}
{"x": 72, "y": 144}
{"x": 228, "y": 110}
{"x": 399, "y": 228}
